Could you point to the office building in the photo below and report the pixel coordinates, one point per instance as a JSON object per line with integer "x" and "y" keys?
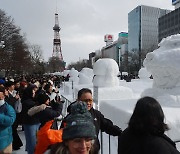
{"x": 169, "y": 24}
{"x": 143, "y": 29}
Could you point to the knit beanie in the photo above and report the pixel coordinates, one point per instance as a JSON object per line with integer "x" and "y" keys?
{"x": 79, "y": 123}
{"x": 2, "y": 81}
{"x": 42, "y": 98}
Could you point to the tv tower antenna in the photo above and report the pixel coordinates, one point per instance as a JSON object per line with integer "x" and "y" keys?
{"x": 57, "y": 41}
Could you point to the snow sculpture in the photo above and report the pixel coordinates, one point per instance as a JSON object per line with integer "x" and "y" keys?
{"x": 74, "y": 75}
{"x": 144, "y": 74}
{"x": 106, "y": 82}
{"x": 65, "y": 72}
{"x": 163, "y": 63}
{"x": 105, "y": 71}
{"x": 86, "y": 76}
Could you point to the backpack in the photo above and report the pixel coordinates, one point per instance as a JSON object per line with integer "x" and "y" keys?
{"x": 47, "y": 136}
{"x": 18, "y": 106}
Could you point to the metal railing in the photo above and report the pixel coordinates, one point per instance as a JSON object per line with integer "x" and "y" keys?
{"x": 65, "y": 105}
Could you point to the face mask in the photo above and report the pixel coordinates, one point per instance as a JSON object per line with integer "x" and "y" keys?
{"x": 2, "y": 102}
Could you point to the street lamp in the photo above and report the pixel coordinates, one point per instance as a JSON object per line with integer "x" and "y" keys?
{"x": 2, "y": 44}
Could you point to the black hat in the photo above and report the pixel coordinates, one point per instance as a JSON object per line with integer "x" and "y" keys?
{"x": 79, "y": 123}
{"x": 9, "y": 83}
{"x": 42, "y": 98}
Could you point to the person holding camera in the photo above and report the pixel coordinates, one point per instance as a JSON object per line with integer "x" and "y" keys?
{"x": 52, "y": 92}
{"x": 45, "y": 110}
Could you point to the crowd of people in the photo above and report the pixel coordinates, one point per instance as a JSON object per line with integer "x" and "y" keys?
{"x": 79, "y": 130}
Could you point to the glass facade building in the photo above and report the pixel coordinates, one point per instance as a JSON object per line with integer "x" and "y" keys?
{"x": 143, "y": 28}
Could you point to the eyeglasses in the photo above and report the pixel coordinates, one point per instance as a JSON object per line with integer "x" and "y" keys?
{"x": 88, "y": 100}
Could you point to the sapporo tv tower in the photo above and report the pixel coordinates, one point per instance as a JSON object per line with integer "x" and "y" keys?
{"x": 57, "y": 52}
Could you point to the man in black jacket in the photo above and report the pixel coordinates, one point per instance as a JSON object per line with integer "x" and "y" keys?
{"x": 100, "y": 122}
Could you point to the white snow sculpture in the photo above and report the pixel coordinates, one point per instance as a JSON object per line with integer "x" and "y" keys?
{"x": 144, "y": 74}
{"x": 86, "y": 76}
{"x": 74, "y": 75}
{"x": 106, "y": 83}
{"x": 106, "y": 71}
{"x": 65, "y": 72}
{"x": 164, "y": 63}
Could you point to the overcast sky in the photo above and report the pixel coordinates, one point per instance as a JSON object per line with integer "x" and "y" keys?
{"x": 83, "y": 22}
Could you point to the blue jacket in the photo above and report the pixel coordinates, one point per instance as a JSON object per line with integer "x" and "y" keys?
{"x": 7, "y": 118}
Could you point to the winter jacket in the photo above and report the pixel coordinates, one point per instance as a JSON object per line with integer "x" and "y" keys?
{"x": 7, "y": 118}
{"x": 11, "y": 100}
{"x": 130, "y": 143}
{"x": 27, "y": 103}
{"x": 46, "y": 114}
{"x": 103, "y": 124}
{"x": 26, "y": 119}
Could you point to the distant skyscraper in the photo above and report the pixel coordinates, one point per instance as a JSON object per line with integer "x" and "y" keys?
{"x": 143, "y": 28}
{"x": 57, "y": 41}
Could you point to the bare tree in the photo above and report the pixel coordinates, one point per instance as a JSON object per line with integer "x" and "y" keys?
{"x": 36, "y": 53}
{"x": 79, "y": 65}
{"x": 55, "y": 64}
{"x": 15, "y": 56}
{"x": 15, "y": 53}
{"x": 133, "y": 61}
